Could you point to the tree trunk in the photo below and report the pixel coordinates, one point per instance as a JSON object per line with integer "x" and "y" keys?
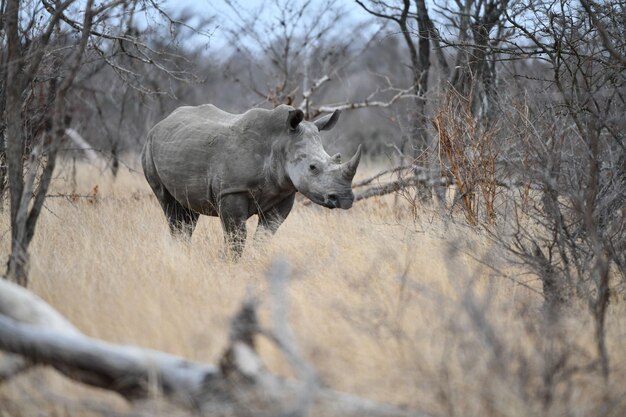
{"x": 18, "y": 265}
{"x": 414, "y": 139}
{"x": 18, "y": 262}
{"x": 26, "y": 200}
{"x": 3, "y": 102}
{"x": 420, "y": 63}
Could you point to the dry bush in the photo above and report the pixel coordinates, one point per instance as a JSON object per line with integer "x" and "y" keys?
{"x": 381, "y": 307}
{"x": 469, "y": 148}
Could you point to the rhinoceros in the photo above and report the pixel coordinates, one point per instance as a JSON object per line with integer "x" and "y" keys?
{"x": 203, "y": 160}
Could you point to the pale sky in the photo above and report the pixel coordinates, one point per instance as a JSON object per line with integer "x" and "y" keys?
{"x": 225, "y": 14}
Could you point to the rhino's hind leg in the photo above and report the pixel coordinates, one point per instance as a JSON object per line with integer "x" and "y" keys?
{"x": 182, "y": 221}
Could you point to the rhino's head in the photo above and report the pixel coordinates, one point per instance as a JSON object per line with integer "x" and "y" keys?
{"x": 320, "y": 177}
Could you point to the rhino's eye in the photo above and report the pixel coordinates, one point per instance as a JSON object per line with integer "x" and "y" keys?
{"x": 313, "y": 168}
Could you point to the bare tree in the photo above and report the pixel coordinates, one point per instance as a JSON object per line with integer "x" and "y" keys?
{"x": 40, "y": 75}
{"x": 554, "y": 162}
{"x": 136, "y": 78}
{"x": 403, "y": 13}
{"x": 23, "y": 216}
{"x": 298, "y": 53}
{"x": 475, "y": 31}
{"x": 286, "y": 57}
{"x": 467, "y": 31}
{"x": 568, "y": 228}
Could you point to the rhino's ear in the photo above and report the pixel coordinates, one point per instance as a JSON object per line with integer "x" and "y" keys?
{"x": 294, "y": 118}
{"x": 327, "y": 122}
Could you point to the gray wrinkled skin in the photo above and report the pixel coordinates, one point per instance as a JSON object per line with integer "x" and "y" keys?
{"x": 202, "y": 160}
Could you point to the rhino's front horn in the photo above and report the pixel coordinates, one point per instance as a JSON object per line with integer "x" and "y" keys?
{"x": 349, "y": 168}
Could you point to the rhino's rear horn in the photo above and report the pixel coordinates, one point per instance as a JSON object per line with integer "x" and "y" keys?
{"x": 349, "y": 168}
{"x": 327, "y": 122}
{"x": 294, "y": 118}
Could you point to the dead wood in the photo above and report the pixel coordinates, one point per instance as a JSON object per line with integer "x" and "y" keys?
{"x": 240, "y": 385}
{"x": 394, "y": 170}
{"x": 12, "y": 365}
{"x": 400, "y": 184}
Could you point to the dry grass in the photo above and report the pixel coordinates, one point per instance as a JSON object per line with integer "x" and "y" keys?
{"x": 378, "y": 302}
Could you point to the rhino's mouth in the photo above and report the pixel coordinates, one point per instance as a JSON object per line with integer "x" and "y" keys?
{"x": 333, "y": 201}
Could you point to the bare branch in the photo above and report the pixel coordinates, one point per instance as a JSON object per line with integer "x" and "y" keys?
{"x": 603, "y": 32}
{"x": 367, "y": 181}
{"x": 401, "y": 94}
{"x": 307, "y": 94}
{"x": 377, "y": 14}
{"x": 397, "y": 185}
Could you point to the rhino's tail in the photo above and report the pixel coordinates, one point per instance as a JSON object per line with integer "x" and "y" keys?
{"x": 150, "y": 170}
{"x": 182, "y": 221}
{"x": 146, "y": 156}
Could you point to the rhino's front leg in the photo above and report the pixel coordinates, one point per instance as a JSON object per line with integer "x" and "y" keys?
{"x": 270, "y": 220}
{"x": 233, "y": 214}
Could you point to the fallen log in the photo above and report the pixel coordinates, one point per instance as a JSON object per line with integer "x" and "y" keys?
{"x": 241, "y": 384}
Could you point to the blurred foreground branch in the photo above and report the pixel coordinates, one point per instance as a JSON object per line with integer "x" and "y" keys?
{"x": 241, "y": 385}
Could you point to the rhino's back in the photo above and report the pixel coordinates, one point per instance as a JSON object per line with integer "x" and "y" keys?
{"x": 201, "y": 153}
{"x": 204, "y": 114}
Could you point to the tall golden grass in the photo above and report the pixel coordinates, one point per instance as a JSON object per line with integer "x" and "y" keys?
{"x": 381, "y": 304}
